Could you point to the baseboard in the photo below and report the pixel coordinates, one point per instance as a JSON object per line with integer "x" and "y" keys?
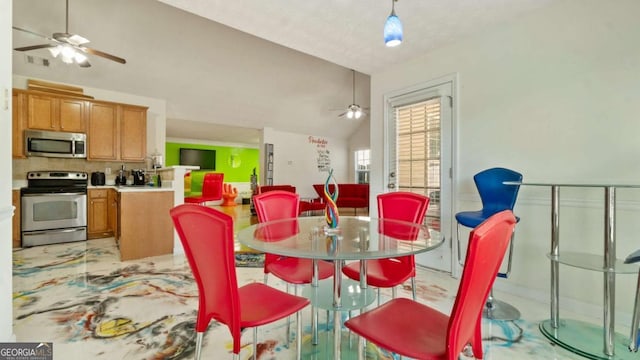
{"x": 592, "y": 311}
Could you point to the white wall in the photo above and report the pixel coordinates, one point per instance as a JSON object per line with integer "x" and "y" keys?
{"x": 6, "y": 284}
{"x": 156, "y": 114}
{"x": 556, "y": 96}
{"x": 295, "y": 160}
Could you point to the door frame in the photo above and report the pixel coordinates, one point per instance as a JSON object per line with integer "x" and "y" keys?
{"x": 418, "y": 90}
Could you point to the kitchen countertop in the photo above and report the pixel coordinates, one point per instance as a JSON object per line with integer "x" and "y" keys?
{"x": 139, "y": 188}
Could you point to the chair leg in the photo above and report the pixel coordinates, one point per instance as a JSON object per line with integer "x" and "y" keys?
{"x": 635, "y": 320}
{"x": 361, "y": 348}
{"x": 288, "y": 321}
{"x": 298, "y": 336}
{"x": 199, "y": 337}
{"x": 266, "y": 275}
{"x": 394, "y": 292}
{"x": 378, "y": 296}
{"x": 458, "y": 241}
{"x": 255, "y": 343}
{"x": 499, "y": 310}
{"x": 413, "y": 288}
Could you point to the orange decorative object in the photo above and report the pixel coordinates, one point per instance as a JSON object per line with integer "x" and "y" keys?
{"x": 229, "y": 194}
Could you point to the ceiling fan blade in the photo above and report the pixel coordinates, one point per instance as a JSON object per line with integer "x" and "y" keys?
{"x": 32, "y": 33}
{"x": 35, "y": 47}
{"x": 102, "y": 54}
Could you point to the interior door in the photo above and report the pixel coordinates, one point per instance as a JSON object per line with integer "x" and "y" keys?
{"x": 418, "y": 156}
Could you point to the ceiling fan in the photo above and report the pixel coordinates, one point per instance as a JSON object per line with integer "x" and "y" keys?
{"x": 354, "y": 111}
{"x": 70, "y": 47}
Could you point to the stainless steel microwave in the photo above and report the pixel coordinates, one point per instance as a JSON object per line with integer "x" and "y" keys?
{"x": 55, "y": 144}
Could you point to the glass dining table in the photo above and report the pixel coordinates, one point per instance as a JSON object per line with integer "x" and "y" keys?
{"x": 356, "y": 238}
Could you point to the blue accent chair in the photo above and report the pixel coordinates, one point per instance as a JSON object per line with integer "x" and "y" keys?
{"x": 496, "y": 196}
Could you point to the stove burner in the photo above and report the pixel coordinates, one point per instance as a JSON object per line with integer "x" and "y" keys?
{"x": 53, "y": 182}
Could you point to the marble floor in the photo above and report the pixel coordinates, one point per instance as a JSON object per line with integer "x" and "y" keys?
{"x": 92, "y": 306}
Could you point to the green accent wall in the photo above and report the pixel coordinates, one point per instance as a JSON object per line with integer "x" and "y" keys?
{"x": 236, "y": 163}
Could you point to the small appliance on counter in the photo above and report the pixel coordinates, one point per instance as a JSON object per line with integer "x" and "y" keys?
{"x": 121, "y": 178}
{"x": 98, "y": 178}
{"x": 138, "y": 177}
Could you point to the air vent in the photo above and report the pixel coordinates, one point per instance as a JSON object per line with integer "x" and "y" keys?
{"x": 35, "y": 60}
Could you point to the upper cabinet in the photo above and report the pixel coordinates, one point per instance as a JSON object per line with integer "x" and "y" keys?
{"x": 117, "y": 132}
{"x": 102, "y": 134}
{"x": 55, "y": 113}
{"x": 18, "y": 123}
{"x": 133, "y": 133}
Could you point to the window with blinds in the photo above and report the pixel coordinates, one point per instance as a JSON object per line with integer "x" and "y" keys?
{"x": 418, "y": 152}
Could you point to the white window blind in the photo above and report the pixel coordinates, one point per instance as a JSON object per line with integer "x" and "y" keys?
{"x": 418, "y": 151}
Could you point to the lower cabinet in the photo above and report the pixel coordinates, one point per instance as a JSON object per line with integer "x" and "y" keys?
{"x": 98, "y": 209}
{"x": 17, "y": 239}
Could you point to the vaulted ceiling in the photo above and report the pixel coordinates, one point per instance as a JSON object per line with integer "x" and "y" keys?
{"x": 250, "y": 64}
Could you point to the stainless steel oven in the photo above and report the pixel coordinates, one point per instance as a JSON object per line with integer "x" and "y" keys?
{"x": 54, "y": 207}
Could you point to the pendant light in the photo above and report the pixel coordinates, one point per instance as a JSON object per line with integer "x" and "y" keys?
{"x": 393, "y": 28}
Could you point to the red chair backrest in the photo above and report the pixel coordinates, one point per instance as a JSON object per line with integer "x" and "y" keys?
{"x": 207, "y": 238}
{"x": 403, "y": 206}
{"x": 212, "y": 185}
{"x": 487, "y": 245}
{"x": 276, "y": 205}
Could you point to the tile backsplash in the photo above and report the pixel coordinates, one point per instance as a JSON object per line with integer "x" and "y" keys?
{"x": 22, "y": 166}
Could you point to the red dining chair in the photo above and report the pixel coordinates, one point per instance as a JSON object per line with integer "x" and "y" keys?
{"x": 411, "y": 329}
{"x": 211, "y": 189}
{"x": 276, "y": 205}
{"x": 207, "y": 238}
{"x": 390, "y": 272}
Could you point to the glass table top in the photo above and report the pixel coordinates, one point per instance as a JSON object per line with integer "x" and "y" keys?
{"x": 356, "y": 238}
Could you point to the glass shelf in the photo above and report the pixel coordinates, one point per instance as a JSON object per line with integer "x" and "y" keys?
{"x": 586, "y": 340}
{"x": 593, "y": 262}
{"x": 352, "y": 297}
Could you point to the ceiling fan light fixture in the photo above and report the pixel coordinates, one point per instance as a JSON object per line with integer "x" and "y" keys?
{"x": 358, "y": 113}
{"x": 79, "y": 57}
{"x": 393, "y": 28}
{"x": 67, "y": 53}
{"x": 55, "y": 51}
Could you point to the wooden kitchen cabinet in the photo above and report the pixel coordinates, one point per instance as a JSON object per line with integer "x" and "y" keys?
{"x": 55, "y": 113}
{"x": 117, "y": 132}
{"x": 102, "y": 134}
{"x": 133, "y": 133}
{"x": 146, "y": 228}
{"x": 18, "y": 123}
{"x": 17, "y": 238}
{"x": 98, "y": 209}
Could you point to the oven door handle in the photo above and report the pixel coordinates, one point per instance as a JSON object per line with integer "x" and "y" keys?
{"x": 55, "y": 231}
{"x": 55, "y": 194}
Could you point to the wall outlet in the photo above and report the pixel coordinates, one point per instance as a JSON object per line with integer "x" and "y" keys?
{"x": 107, "y": 171}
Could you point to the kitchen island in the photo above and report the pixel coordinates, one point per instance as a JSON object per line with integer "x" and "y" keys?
{"x": 136, "y": 216}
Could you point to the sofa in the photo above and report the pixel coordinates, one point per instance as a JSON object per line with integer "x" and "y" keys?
{"x": 266, "y": 188}
{"x": 349, "y": 195}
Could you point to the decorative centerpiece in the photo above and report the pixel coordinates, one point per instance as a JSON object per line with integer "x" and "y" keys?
{"x": 331, "y": 210}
